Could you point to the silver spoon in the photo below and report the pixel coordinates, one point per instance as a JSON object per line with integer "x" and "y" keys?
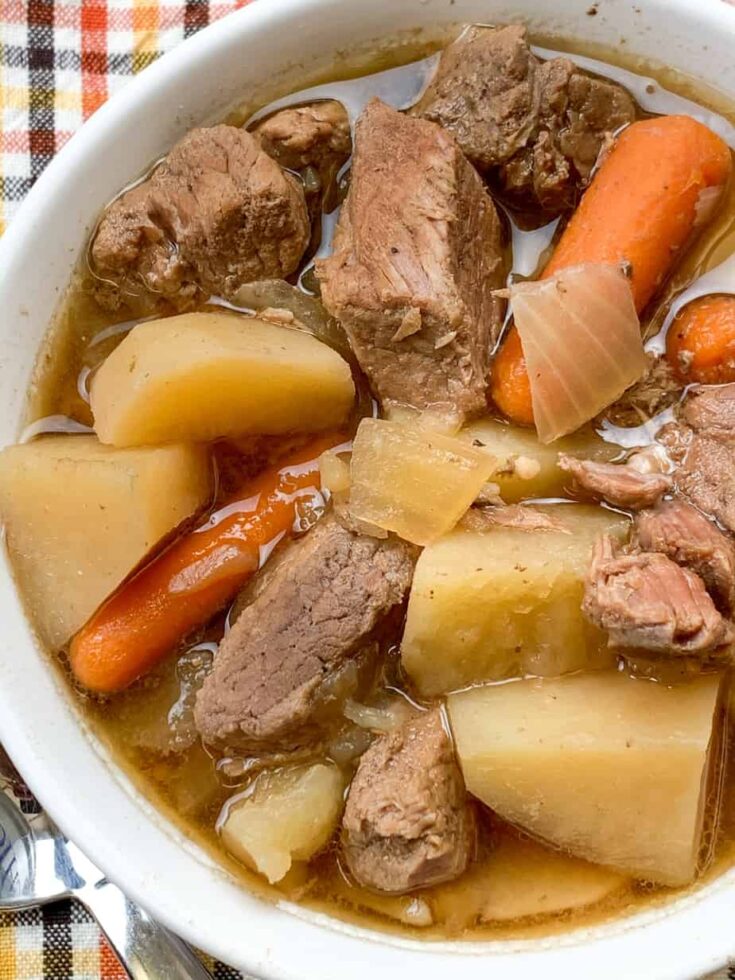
{"x": 39, "y": 865}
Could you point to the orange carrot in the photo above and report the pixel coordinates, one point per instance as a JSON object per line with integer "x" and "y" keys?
{"x": 649, "y": 195}
{"x": 700, "y": 344}
{"x": 195, "y": 577}
{"x": 511, "y": 388}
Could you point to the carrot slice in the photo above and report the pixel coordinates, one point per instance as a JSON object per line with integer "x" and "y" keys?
{"x": 652, "y": 191}
{"x": 700, "y": 344}
{"x": 195, "y": 577}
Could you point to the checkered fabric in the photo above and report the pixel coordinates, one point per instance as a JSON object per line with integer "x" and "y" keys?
{"x": 62, "y": 942}
{"x": 60, "y": 61}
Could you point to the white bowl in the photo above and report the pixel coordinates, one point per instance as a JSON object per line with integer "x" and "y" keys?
{"x": 71, "y": 774}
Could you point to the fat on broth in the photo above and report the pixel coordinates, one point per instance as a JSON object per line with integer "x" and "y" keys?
{"x": 149, "y": 727}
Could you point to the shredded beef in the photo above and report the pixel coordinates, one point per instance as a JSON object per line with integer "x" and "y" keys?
{"x": 681, "y": 532}
{"x": 620, "y": 484}
{"x": 647, "y": 602}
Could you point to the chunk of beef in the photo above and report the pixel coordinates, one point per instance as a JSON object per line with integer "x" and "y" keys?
{"x": 678, "y": 530}
{"x": 218, "y": 212}
{"x": 417, "y": 255}
{"x": 308, "y": 620}
{"x": 648, "y": 602}
{"x": 407, "y": 822}
{"x": 711, "y": 411}
{"x": 706, "y": 477}
{"x": 538, "y": 125}
{"x": 315, "y": 135}
{"x": 703, "y": 447}
{"x": 620, "y": 484}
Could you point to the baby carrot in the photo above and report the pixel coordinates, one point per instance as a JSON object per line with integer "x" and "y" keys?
{"x": 700, "y": 344}
{"x": 195, "y": 577}
{"x": 651, "y": 192}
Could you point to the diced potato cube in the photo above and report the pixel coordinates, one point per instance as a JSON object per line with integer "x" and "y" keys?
{"x": 80, "y": 516}
{"x": 607, "y": 767}
{"x": 202, "y": 376}
{"x": 287, "y": 815}
{"x": 525, "y": 468}
{"x": 486, "y": 605}
{"x": 411, "y": 480}
{"x": 521, "y": 879}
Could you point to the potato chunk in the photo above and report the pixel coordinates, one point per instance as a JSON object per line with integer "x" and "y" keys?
{"x": 411, "y": 480}
{"x": 525, "y": 468}
{"x": 505, "y": 602}
{"x": 607, "y": 767}
{"x": 80, "y": 516}
{"x": 202, "y": 376}
{"x": 287, "y": 815}
{"x": 522, "y": 879}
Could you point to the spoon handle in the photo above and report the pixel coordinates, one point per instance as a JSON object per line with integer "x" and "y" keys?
{"x": 146, "y": 950}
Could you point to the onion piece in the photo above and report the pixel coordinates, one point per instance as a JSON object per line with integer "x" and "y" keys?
{"x": 582, "y": 343}
{"x": 307, "y": 310}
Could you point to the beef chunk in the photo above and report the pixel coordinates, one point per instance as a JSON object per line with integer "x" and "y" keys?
{"x": 307, "y": 621}
{"x": 648, "y": 602}
{"x": 538, "y": 126}
{"x": 703, "y": 447}
{"x": 218, "y": 212}
{"x": 677, "y": 530}
{"x": 622, "y": 485}
{"x": 712, "y": 411}
{"x": 315, "y": 135}
{"x": 706, "y": 477}
{"x": 417, "y": 255}
{"x": 407, "y": 821}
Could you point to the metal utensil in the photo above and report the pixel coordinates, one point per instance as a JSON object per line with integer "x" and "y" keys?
{"x": 39, "y": 865}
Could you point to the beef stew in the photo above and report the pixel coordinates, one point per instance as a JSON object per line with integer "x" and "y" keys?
{"x": 362, "y": 578}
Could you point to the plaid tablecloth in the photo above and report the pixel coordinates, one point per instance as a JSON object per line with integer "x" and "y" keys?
{"x": 59, "y": 61}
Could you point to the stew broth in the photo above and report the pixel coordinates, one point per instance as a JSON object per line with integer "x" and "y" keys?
{"x": 517, "y": 887}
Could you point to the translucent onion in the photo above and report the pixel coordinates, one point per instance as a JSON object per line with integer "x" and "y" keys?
{"x": 582, "y": 343}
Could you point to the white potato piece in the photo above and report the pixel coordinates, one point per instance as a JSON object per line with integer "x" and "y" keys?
{"x": 604, "y": 766}
{"x": 286, "y": 815}
{"x": 202, "y": 376}
{"x": 526, "y": 468}
{"x": 80, "y": 516}
{"x": 522, "y": 879}
{"x": 412, "y": 480}
{"x": 487, "y": 605}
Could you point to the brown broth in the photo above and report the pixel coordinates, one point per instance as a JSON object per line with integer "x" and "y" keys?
{"x": 183, "y": 780}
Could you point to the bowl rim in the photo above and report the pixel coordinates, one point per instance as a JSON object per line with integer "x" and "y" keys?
{"x": 315, "y": 944}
